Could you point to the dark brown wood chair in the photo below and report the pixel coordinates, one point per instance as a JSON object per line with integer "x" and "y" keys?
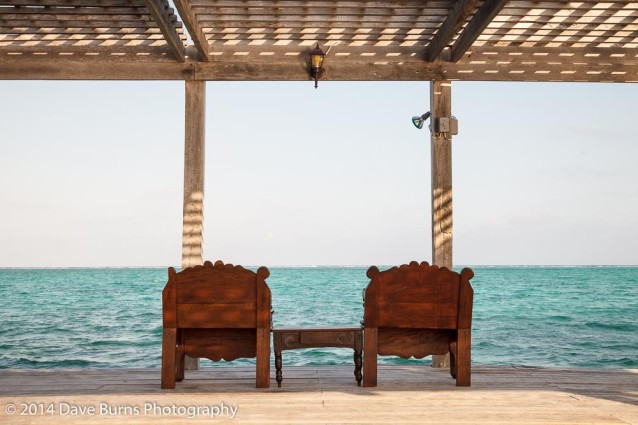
{"x": 218, "y": 312}
{"x": 416, "y": 310}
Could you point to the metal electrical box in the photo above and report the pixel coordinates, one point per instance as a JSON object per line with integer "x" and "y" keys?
{"x": 442, "y": 125}
{"x": 446, "y": 125}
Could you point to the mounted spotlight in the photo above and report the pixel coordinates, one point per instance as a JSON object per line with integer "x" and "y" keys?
{"x": 316, "y": 63}
{"x": 418, "y": 121}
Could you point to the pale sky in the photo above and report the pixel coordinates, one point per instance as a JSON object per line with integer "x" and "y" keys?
{"x": 91, "y": 175}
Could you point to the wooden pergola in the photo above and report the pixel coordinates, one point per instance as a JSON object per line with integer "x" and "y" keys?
{"x": 260, "y": 40}
{"x": 495, "y": 40}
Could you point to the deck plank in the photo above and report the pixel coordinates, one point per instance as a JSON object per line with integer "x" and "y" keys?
{"x": 329, "y": 395}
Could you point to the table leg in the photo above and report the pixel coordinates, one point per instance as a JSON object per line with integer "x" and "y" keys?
{"x": 278, "y": 367}
{"x": 358, "y": 362}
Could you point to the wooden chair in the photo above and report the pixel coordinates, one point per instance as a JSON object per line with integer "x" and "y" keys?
{"x": 217, "y": 312}
{"x": 416, "y": 310}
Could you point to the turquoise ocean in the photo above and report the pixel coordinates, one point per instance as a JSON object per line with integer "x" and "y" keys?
{"x": 111, "y": 318}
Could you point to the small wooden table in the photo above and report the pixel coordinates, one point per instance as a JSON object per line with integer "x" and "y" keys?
{"x": 288, "y": 338}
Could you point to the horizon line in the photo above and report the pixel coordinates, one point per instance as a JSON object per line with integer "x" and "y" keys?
{"x": 310, "y": 266}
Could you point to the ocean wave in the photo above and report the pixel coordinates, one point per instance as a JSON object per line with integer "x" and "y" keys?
{"x": 562, "y": 316}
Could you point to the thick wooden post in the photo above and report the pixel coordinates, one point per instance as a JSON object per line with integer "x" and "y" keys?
{"x": 193, "y": 224}
{"x": 441, "y": 145}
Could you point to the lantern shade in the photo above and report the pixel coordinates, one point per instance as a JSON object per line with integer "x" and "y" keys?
{"x": 316, "y": 57}
{"x": 316, "y": 63}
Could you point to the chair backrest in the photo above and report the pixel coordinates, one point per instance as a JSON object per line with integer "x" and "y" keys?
{"x": 418, "y": 296}
{"x": 217, "y": 296}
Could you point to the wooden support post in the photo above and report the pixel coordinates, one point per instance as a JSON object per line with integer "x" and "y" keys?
{"x": 193, "y": 224}
{"x": 441, "y": 145}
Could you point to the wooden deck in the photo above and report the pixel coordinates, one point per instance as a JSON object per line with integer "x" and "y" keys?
{"x": 324, "y": 395}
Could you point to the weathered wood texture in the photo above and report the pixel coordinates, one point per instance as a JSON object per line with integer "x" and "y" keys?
{"x": 441, "y": 165}
{"x": 326, "y": 394}
{"x": 416, "y": 310}
{"x": 441, "y": 192}
{"x": 220, "y": 312}
{"x": 194, "y": 29}
{"x": 479, "y": 21}
{"x": 274, "y": 63}
{"x": 163, "y": 18}
{"x": 493, "y": 40}
{"x": 194, "y": 176}
{"x": 194, "y": 147}
{"x": 67, "y": 25}
{"x": 453, "y": 23}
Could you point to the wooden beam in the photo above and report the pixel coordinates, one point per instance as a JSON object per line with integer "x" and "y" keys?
{"x": 194, "y": 29}
{"x": 194, "y": 146}
{"x": 192, "y": 236}
{"x": 247, "y": 64}
{"x": 163, "y": 20}
{"x": 475, "y": 27}
{"x": 454, "y": 21}
{"x": 441, "y": 158}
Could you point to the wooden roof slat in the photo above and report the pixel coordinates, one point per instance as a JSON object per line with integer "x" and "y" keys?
{"x": 80, "y": 24}
{"x": 209, "y": 26}
{"x": 481, "y": 19}
{"x": 229, "y": 20}
{"x": 164, "y": 22}
{"x": 403, "y": 31}
{"x": 571, "y": 33}
{"x": 115, "y": 50}
{"x": 403, "y": 4}
{"x": 7, "y": 31}
{"x": 74, "y": 10}
{"x": 71, "y": 3}
{"x": 321, "y": 37}
{"x": 315, "y": 11}
{"x": 85, "y": 36}
{"x": 76, "y": 17}
{"x": 550, "y": 14}
{"x": 115, "y": 46}
{"x": 586, "y": 4}
{"x": 453, "y": 23}
{"x": 194, "y": 28}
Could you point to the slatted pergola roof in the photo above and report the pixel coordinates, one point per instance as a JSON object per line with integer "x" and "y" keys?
{"x": 495, "y": 40}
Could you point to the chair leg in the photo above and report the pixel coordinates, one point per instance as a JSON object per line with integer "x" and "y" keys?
{"x": 464, "y": 358}
{"x": 263, "y": 358}
{"x": 168, "y": 358}
{"x": 453, "y": 354}
{"x": 181, "y": 356}
{"x": 370, "y": 350}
